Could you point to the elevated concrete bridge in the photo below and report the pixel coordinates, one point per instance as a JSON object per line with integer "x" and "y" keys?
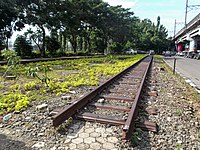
{"x": 188, "y": 38}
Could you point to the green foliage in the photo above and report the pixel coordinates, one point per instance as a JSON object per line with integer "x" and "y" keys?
{"x": 10, "y": 19}
{"x": 24, "y": 102}
{"x": 65, "y": 76}
{"x": 57, "y": 87}
{"x": 179, "y": 147}
{"x": 116, "y": 48}
{"x": 12, "y": 60}
{"x": 86, "y": 25}
{"x": 60, "y": 53}
{"x": 128, "y": 45}
{"x": 36, "y": 37}
{"x": 151, "y": 36}
{"x": 35, "y": 54}
{"x": 23, "y": 47}
{"x": 13, "y": 101}
{"x": 31, "y": 85}
{"x": 15, "y": 87}
{"x": 52, "y": 45}
{"x": 157, "y": 56}
{"x": 11, "y": 57}
{"x": 34, "y": 72}
{"x": 1, "y": 87}
{"x": 179, "y": 111}
{"x": 135, "y": 136}
{"x": 2, "y": 46}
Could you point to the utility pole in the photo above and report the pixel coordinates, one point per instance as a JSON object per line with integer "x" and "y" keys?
{"x": 186, "y": 11}
{"x": 174, "y": 28}
{"x": 175, "y": 25}
{"x": 188, "y": 8}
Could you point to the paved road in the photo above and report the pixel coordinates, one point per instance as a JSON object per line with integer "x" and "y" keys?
{"x": 188, "y": 68}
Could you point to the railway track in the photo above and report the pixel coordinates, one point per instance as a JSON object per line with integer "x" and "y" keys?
{"x": 34, "y": 60}
{"x": 115, "y": 102}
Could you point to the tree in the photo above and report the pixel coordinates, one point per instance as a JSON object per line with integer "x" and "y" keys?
{"x": 74, "y": 21}
{"x": 148, "y": 36}
{"x": 52, "y": 45}
{"x": 90, "y": 25}
{"x": 35, "y": 37}
{"x": 113, "y": 21}
{"x": 23, "y": 47}
{"x": 43, "y": 14}
{"x": 10, "y": 18}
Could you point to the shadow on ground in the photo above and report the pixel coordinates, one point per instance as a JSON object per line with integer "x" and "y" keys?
{"x": 9, "y": 144}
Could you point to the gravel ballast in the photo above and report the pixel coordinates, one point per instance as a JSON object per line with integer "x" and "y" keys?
{"x": 177, "y": 120}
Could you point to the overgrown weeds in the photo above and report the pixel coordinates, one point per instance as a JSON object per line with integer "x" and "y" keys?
{"x": 53, "y": 78}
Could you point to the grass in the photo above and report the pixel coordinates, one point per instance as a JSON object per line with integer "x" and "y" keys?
{"x": 158, "y": 56}
{"x": 179, "y": 147}
{"x": 64, "y": 76}
{"x": 135, "y": 136}
{"x": 191, "y": 92}
{"x": 179, "y": 111}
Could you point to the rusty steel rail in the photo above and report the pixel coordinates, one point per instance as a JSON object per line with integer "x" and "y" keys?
{"x": 34, "y": 60}
{"x": 130, "y": 124}
{"x": 72, "y": 109}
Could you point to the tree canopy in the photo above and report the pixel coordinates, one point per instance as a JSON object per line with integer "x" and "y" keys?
{"x": 88, "y": 25}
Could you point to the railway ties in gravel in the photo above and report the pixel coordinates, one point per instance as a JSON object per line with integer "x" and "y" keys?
{"x": 115, "y": 102}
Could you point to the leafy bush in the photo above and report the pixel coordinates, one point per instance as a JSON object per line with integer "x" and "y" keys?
{"x": 2, "y": 45}
{"x": 52, "y": 45}
{"x": 12, "y": 60}
{"x": 23, "y": 47}
{"x": 35, "y": 54}
{"x": 60, "y": 53}
{"x": 34, "y": 72}
{"x": 116, "y": 48}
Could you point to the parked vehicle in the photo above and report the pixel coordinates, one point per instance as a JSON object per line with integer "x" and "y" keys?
{"x": 168, "y": 54}
{"x": 189, "y": 54}
{"x": 197, "y": 55}
{"x": 185, "y": 53}
{"x": 151, "y": 52}
{"x": 131, "y": 51}
{"x": 180, "y": 54}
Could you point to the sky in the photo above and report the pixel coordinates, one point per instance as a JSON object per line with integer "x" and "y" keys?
{"x": 168, "y": 10}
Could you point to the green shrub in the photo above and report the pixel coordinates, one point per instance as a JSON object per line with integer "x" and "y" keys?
{"x": 52, "y": 45}
{"x": 34, "y": 72}
{"x": 12, "y": 60}
{"x": 23, "y": 47}
{"x": 35, "y": 54}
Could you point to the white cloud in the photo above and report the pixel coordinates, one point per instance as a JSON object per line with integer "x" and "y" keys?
{"x": 124, "y": 3}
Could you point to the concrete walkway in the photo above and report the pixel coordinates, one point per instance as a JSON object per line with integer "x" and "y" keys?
{"x": 188, "y": 68}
